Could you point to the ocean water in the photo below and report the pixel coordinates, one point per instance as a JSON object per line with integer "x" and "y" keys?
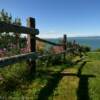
{"x": 93, "y": 42}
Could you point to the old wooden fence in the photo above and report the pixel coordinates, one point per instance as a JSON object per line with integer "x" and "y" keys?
{"x": 33, "y": 55}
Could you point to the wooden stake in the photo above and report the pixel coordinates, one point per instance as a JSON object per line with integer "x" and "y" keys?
{"x": 32, "y": 44}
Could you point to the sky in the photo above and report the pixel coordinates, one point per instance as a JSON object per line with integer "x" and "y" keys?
{"x": 57, "y": 17}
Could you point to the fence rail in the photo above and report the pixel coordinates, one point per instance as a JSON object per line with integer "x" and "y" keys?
{"x": 5, "y": 27}
{"x": 28, "y": 56}
{"x": 49, "y": 42}
{"x": 17, "y": 58}
{"x": 33, "y": 55}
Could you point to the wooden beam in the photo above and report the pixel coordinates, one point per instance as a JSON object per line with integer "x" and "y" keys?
{"x": 48, "y": 55}
{"x": 49, "y": 42}
{"x": 5, "y": 27}
{"x": 32, "y": 43}
{"x": 17, "y": 58}
{"x": 65, "y": 47}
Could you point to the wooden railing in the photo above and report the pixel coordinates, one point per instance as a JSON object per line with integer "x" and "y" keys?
{"x": 5, "y": 27}
{"x": 33, "y": 55}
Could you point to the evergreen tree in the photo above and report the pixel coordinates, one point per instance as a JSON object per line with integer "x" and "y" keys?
{"x": 7, "y": 38}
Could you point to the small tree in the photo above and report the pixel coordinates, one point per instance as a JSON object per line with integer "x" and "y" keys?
{"x": 6, "y": 39}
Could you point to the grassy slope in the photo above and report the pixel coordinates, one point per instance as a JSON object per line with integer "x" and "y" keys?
{"x": 17, "y": 85}
{"x": 80, "y": 82}
{"x": 76, "y": 82}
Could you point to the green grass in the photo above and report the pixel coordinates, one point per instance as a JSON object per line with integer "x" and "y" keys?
{"x": 79, "y": 80}
{"x": 17, "y": 83}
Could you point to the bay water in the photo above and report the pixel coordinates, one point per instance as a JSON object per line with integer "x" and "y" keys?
{"x": 93, "y": 42}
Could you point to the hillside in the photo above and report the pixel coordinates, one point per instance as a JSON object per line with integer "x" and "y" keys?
{"x": 77, "y": 81}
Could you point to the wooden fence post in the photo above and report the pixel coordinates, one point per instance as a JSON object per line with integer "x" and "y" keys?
{"x": 65, "y": 45}
{"x": 31, "y": 45}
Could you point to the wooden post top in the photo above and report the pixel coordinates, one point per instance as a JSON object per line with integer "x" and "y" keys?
{"x": 31, "y": 22}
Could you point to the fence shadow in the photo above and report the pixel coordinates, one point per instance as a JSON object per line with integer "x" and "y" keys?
{"x": 50, "y": 87}
{"x": 46, "y": 91}
{"x": 83, "y": 90}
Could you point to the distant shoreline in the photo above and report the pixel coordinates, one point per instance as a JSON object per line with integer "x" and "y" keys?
{"x": 75, "y": 37}
{"x": 91, "y": 41}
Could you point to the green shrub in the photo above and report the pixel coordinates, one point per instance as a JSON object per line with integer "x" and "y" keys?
{"x": 97, "y": 50}
{"x": 85, "y": 48}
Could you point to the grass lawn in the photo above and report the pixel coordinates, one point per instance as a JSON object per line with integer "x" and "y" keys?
{"x": 77, "y": 81}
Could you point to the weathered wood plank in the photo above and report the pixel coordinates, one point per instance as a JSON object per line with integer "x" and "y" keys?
{"x": 65, "y": 47}
{"x": 17, "y": 58}
{"x": 48, "y": 55}
{"x": 32, "y": 44}
{"x": 49, "y": 42}
{"x": 5, "y": 27}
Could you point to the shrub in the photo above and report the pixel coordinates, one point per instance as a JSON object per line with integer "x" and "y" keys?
{"x": 97, "y": 50}
{"x": 85, "y": 48}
